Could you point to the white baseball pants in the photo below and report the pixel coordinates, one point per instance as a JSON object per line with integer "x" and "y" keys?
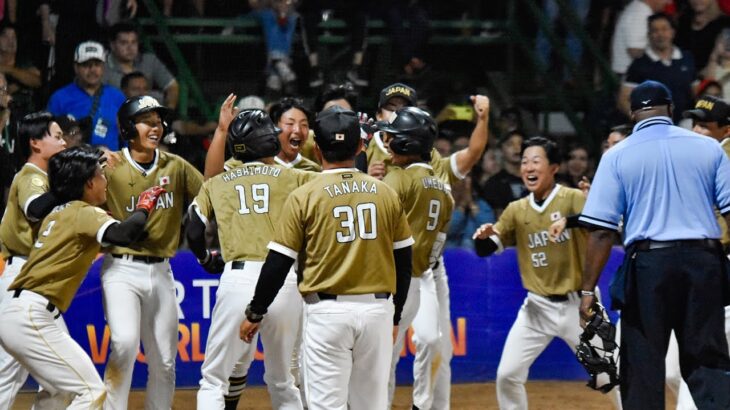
{"x": 12, "y": 374}
{"x": 538, "y": 321}
{"x": 42, "y": 345}
{"x": 347, "y": 353}
{"x": 410, "y": 309}
{"x": 139, "y": 303}
{"x": 278, "y": 332}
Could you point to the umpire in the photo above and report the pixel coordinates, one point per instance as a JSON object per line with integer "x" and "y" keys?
{"x": 663, "y": 182}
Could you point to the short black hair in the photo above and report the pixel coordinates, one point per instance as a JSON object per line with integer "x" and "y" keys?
{"x": 129, "y": 77}
{"x": 4, "y": 25}
{"x": 551, "y": 148}
{"x": 509, "y": 134}
{"x": 66, "y": 122}
{"x": 339, "y": 155}
{"x": 623, "y": 129}
{"x": 122, "y": 27}
{"x": 70, "y": 169}
{"x": 285, "y": 104}
{"x": 660, "y": 16}
{"x": 35, "y": 126}
{"x": 345, "y": 91}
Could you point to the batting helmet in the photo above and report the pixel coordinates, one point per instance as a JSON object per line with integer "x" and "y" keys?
{"x": 137, "y": 106}
{"x": 252, "y": 135}
{"x": 413, "y": 131}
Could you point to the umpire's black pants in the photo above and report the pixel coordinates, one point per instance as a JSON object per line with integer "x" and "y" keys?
{"x": 678, "y": 288}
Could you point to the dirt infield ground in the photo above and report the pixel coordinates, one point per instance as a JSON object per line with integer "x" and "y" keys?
{"x": 541, "y": 395}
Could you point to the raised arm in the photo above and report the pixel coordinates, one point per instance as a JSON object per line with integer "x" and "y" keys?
{"x": 216, "y": 156}
{"x": 469, "y": 156}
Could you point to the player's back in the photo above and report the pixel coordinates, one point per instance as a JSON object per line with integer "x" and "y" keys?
{"x": 351, "y": 225}
{"x": 247, "y": 201}
{"x": 16, "y": 232}
{"x": 427, "y": 205}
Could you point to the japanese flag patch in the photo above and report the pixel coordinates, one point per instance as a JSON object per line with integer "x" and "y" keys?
{"x": 554, "y": 216}
{"x": 164, "y": 180}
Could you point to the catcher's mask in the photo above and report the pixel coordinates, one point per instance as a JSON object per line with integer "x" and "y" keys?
{"x": 597, "y": 360}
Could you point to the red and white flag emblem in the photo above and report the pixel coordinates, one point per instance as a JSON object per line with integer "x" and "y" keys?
{"x": 164, "y": 180}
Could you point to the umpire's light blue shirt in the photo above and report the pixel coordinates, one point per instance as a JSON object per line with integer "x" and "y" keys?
{"x": 664, "y": 181}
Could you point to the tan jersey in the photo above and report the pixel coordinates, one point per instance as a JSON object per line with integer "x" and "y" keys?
{"x": 127, "y": 180}
{"x": 547, "y": 268}
{"x": 17, "y": 232}
{"x": 301, "y": 163}
{"x": 232, "y": 163}
{"x": 247, "y": 202}
{"x": 346, "y": 224}
{"x": 376, "y": 151}
{"x": 68, "y": 242}
{"x": 427, "y": 205}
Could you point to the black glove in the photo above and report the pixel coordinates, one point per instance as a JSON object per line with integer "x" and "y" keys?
{"x": 213, "y": 262}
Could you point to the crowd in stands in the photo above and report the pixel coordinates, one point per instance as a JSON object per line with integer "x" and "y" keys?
{"x": 80, "y": 59}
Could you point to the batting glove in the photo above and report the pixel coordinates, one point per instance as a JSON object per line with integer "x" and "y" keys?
{"x": 148, "y": 199}
{"x": 212, "y": 262}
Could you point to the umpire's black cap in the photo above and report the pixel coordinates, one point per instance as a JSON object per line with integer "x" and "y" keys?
{"x": 710, "y": 109}
{"x": 650, "y": 94}
{"x": 337, "y": 129}
{"x": 397, "y": 90}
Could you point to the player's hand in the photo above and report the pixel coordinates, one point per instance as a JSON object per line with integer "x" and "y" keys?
{"x": 481, "y": 106}
{"x": 248, "y": 330}
{"x": 367, "y": 126}
{"x": 148, "y": 199}
{"x": 556, "y": 229}
{"x": 228, "y": 113}
{"x": 395, "y": 333}
{"x": 213, "y": 262}
{"x": 586, "y": 309}
{"x": 584, "y": 185}
{"x": 485, "y": 231}
{"x": 111, "y": 158}
{"x": 377, "y": 169}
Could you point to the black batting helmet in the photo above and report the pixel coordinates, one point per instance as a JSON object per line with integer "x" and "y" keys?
{"x": 413, "y": 131}
{"x": 136, "y": 106}
{"x": 252, "y": 135}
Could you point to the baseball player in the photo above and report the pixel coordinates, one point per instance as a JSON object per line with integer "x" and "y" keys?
{"x": 137, "y": 283}
{"x": 247, "y": 199}
{"x": 292, "y": 117}
{"x": 551, "y": 271}
{"x": 68, "y": 241}
{"x": 428, "y": 208}
{"x": 28, "y": 202}
{"x": 356, "y": 246}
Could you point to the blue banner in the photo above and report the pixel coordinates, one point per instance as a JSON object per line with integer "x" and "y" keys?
{"x": 486, "y": 294}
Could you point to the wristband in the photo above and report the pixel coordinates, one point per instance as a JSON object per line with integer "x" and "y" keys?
{"x": 587, "y": 293}
{"x": 253, "y": 317}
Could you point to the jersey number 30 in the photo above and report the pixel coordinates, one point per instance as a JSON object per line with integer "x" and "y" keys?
{"x": 367, "y": 224}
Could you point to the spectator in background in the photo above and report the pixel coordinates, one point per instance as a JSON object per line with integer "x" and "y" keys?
{"x": 355, "y": 14}
{"x": 72, "y": 133}
{"x": 9, "y": 148}
{"x": 343, "y": 95}
{"x": 125, "y": 58}
{"x": 470, "y": 211}
{"x": 662, "y": 62}
{"x": 506, "y": 185}
{"x": 629, "y": 38}
{"x": 718, "y": 66}
{"x": 698, "y": 28}
{"x": 278, "y": 20}
{"x": 410, "y": 41}
{"x": 90, "y": 101}
{"x": 443, "y": 146}
{"x": 617, "y": 134}
{"x": 709, "y": 87}
{"x": 575, "y": 47}
{"x": 576, "y": 167}
{"x": 22, "y": 76}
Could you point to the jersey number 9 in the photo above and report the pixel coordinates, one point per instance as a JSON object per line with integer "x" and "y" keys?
{"x": 434, "y": 209}
{"x": 367, "y": 222}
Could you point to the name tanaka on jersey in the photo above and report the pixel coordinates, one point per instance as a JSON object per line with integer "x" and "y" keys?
{"x": 542, "y": 238}
{"x": 250, "y": 170}
{"x": 166, "y": 201}
{"x": 351, "y": 187}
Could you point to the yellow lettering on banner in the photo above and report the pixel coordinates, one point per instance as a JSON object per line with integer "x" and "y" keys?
{"x": 198, "y": 356}
{"x": 98, "y": 352}
{"x": 183, "y": 342}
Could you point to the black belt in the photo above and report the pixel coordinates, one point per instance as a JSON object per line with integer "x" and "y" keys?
{"x": 329, "y": 296}
{"x": 647, "y": 244}
{"x": 49, "y": 307}
{"x": 238, "y": 264}
{"x": 140, "y": 258}
{"x": 560, "y": 298}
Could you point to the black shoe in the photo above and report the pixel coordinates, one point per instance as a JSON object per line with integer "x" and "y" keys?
{"x": 316, "y": 78}
{"x": 414, "y": 407}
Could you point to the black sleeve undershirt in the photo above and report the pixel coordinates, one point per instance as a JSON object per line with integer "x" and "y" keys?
{"x": 126, "y": 232}
{"x": 273, "y": 275}
{"x": 195, "y": 233}
{"x": 485, "y": 247}
{"x": 403, "y": 267}
{"x": 41, "y": 206}
{"x": 572, "y": 222}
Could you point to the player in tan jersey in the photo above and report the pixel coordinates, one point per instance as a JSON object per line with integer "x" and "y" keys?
{"x": 355, "y": 241}
{"x": 70, "y": 238}
{"x": 551, "y": 271}
{"x": 28, "y": 202}
{"x": 428, "y": 207}
{"x": 137, "y": 283}
{"x": 247, "y": 200}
